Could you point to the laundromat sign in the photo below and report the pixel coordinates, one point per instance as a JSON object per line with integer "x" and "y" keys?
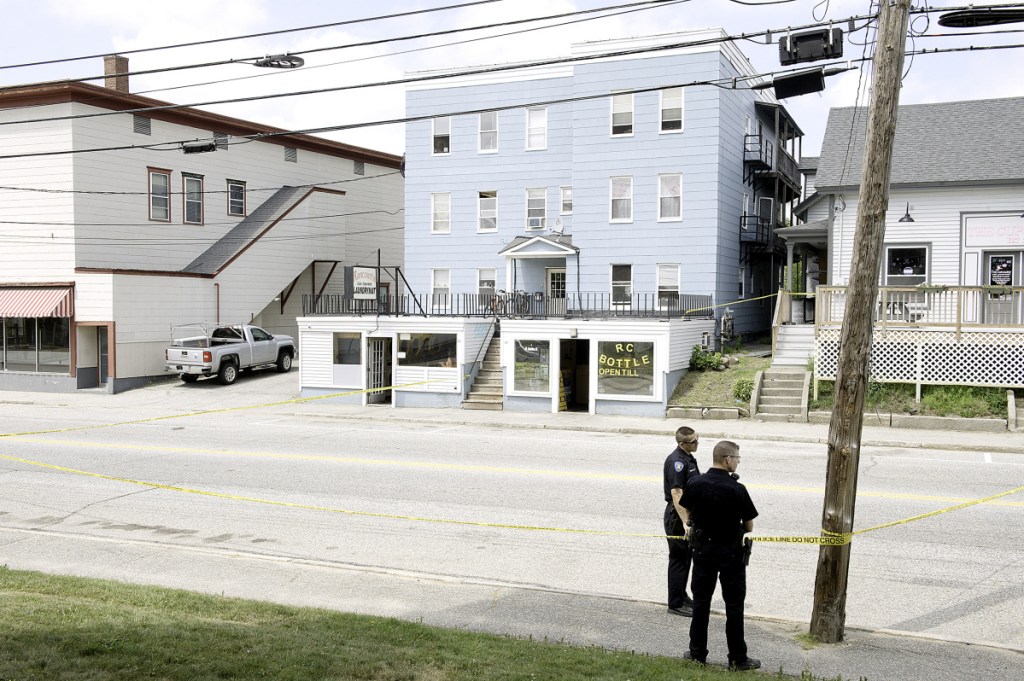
{"x": 993, "y": 231}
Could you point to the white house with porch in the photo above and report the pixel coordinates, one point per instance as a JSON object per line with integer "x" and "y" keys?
{"x": 950, "y": 306}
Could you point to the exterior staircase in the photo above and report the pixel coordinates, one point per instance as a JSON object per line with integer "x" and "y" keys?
{"x": 489, "y": 387}
{"x": 782, "y": 394}
{"x": 794, "y": 345}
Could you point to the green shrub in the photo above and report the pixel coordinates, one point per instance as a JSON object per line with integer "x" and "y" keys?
{"x": 742, "y": 389}
{"x": 701, "y": 360}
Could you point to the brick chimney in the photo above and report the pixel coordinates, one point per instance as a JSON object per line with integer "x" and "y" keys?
{"x": 114, "y": 64}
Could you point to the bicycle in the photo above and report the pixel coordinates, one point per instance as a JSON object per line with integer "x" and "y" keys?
{"x": 510, "y": 304}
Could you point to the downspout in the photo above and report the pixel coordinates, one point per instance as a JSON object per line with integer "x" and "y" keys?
{"x": 216, "y": 287}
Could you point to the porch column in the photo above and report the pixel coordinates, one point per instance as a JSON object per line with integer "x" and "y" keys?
{"x": 789, "y": 266}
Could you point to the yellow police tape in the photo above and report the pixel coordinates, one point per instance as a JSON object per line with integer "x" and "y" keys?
{"x": 213, "y": 411}
{"x": 827, "y": 538}
{"x": 740, "y": 301}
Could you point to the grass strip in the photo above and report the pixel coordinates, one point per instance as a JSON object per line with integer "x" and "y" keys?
{"x": 71, "y": 628}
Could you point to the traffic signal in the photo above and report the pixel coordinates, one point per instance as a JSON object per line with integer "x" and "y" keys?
{"x": 822, "y": 43}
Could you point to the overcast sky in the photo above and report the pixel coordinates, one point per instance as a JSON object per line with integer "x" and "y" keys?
{"x": 56, "y": 29}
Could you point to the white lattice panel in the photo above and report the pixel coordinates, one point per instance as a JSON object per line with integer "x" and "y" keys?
{"x": 983, "y": 358}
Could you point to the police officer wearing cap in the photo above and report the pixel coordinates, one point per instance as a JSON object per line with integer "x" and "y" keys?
{"x": 680, "y": 467}
{"x": 721, "y": 512}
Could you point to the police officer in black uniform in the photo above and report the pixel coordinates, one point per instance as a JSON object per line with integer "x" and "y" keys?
{"x": 721, "y": 512}
{"x": 680, "y": 466}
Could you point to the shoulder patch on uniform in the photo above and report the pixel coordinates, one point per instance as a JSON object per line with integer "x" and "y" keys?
{"x": 679, "y": 466}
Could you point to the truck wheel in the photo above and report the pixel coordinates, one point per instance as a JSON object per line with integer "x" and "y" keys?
{"x": 284, "y": 363}
{"x": 190, "y": 378}
{"x": 228, "y": 373}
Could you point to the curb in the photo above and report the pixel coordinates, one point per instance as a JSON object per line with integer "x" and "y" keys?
{"x": 633, "y": 430}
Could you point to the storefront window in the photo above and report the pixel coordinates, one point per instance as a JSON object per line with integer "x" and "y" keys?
{"x": 625, "y": 368}
{"x": 533, "y": 364}
{"x": 54, "y": 345}
{"x": 427, "y": 349}
{"x": 346, "y": 348}
{"x": 20, "y": 344}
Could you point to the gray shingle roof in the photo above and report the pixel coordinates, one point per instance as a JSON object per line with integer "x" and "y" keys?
{"x": 970, "y": 142}
{"x": 241, "y": 235}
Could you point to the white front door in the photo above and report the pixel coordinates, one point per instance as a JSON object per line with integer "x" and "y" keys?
{"x": 556, "y": 292}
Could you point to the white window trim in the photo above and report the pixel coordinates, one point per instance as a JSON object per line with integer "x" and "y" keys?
{"x": 659, "y": 374}
{"x": 544, "y": 219}
{"x": 433, "y": 281}
{"x": 611, "y": 199}
{"x": 662, "y": 218}
{"x": 632, "y": 115}
{"x": 480, "y": 271}
{"x": 479, "y": 213}
{"x": 433, "y": 222}
{"x": 433, "y": 135}
{"x": 480, "y": 133}
{"x": 543, "y": 109}
{"x": 553, "y": 367}
{"x": 561, "y": 199}
{"x": 682, "y": 111}
{"x": 657, "y": 281}
{"x": 611, "y": 283}
{"x": 742, "y": 281}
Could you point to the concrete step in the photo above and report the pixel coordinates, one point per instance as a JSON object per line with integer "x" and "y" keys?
{"x": 490, "y": 366}
{"x": 780, "y": 401}
{"x": 781, "y": 418}
{"x": 780, "y": 380}
{"x": 490, "y": 381}
{"x": 782, "y": 392}
{"x": 777, "y": 409}
{"x": 487, "y": 391}
{"x": 490, "y": 406}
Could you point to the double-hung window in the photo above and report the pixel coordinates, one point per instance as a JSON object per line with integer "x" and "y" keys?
{"x": 236, "y": 198}
{"x": 442, "y": 135}
{"x": 622, "y": 114}
{"x": 566, "y": 201}
{"x": 668, "y": 286}
{"x": 485, "y": 284}
{"x": 622, "y": 199}
{"x": 672, "y": 110}
{"x": 489, "y": 131}
{"x": 622, "y": 284}
{"x": 193, "y": 198}
{"x": 488, "y": 211}
{"x": 741, "y": 290}
{"x": 160, "y": 195}
{"x": 537, "y": 128}
{"x": 440, "y": 285}
{"x": 441, "y": 213}
{"x": 670, "y": 197}
{"x": 536, "y": 208}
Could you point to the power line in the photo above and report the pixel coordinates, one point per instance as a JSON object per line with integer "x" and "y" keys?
{"x": 379, "y": 41}
{"x": 425, "y": 48}
{"x": 253, "y": 35}
{"x": 439, "y": 76}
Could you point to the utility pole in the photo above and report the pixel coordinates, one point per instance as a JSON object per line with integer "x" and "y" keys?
{"x": 844, "y": 436}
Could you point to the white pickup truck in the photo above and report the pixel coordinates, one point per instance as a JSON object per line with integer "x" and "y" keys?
{"x": 199, "y": 350}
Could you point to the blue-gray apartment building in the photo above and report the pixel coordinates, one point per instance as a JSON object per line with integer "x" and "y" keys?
{"x": 573, "y": 230}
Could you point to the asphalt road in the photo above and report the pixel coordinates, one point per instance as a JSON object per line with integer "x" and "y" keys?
{"x": 449, "y": 501}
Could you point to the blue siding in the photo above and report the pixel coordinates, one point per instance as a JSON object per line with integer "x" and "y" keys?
{"x": 582, "y": 153}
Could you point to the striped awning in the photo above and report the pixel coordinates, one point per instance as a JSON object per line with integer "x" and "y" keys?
{"x": 36, "y": 301}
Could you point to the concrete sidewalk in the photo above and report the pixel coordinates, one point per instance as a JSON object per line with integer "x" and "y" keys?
{"x": 738, "y": 429}
{"x": 519, "y": 610}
